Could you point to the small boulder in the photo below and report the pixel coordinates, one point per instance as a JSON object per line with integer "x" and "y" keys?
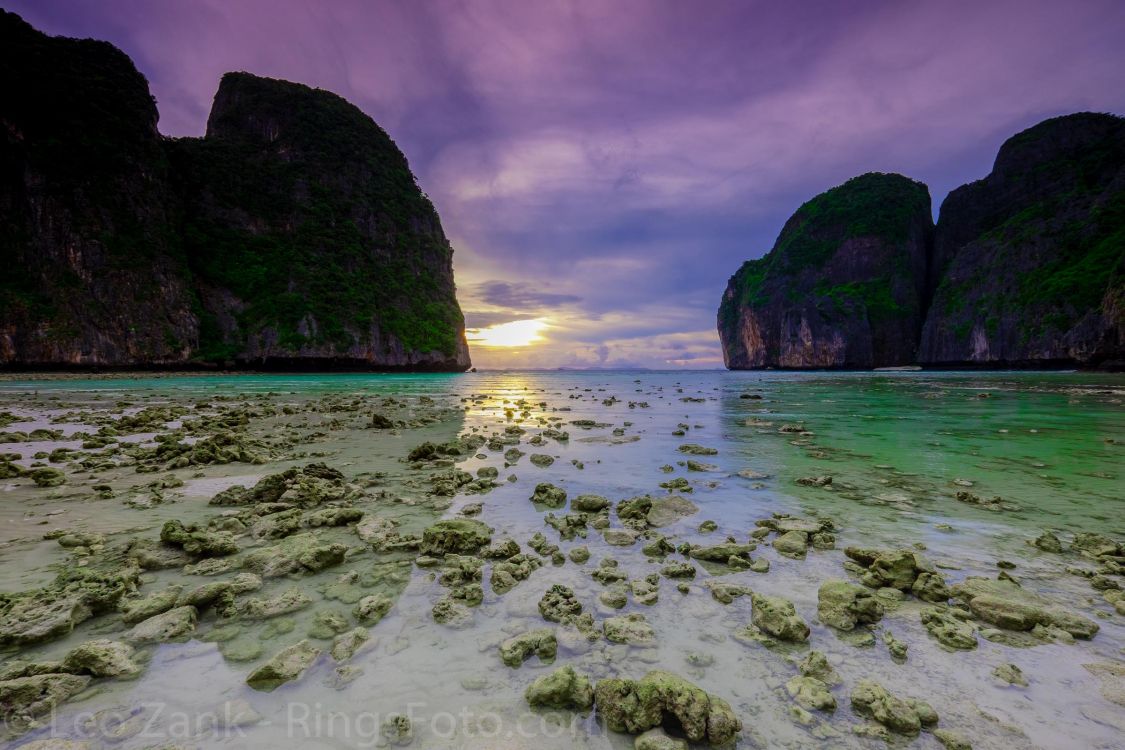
{"x": 778, "y": 617}
{"x": 564, "y": 688}
{"x": 285, "y": 666}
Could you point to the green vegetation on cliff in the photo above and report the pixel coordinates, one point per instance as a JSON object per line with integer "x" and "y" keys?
{"x": 293, "y": 230}
{"x": 276, "y": 195}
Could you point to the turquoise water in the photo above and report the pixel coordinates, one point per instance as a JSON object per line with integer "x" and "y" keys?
{"x": 898, "y": 446}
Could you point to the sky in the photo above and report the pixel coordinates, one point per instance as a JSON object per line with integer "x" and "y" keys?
{"x": 602, "y": 168}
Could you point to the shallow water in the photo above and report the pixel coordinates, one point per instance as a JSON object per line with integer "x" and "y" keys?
{"x": 898, "y": 446}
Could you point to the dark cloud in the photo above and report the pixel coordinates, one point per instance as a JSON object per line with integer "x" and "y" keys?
{"x": 520, "y": 296}
{"x": 620, "y": 160}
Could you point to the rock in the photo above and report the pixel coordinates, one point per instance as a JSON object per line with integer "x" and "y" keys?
{"x": 135, "y": 610}
{"x": 461, "y": 535}
{"x": 559, "y": 604}
{"x": 371, "y": 609}
{"x": 541, "y": 460}
{"x": 564, "y": 689}
{"x": 656, "y": 739}
{"x": 629, "y": 629}
{"x": 616, "y": 596}
{"x": 725, "y": 593}
{"x": 778, "y": 617}
{"x": 198, "y": 542}
{"x": 721, "y": 553}
{"x": 452, "y": 613}
{"x": 815, "y": 664}
{"x": 589, "y": 503}
{"x": 101, "y": 658}
{"x": 579, "y": 555}
{"x": 811, "y": 302}
{"x": 291, "y": 600}
{"x": 811, "y": 693}
{"x": 697, "y": 450}
{"x": 346, "y": 644}
{"x": 1095, "y": 545}
{"x": 635, "y": 509}
{"x": 666, "y": 511}
{"x": 620, "y": 537}
{"x": 396, "y": 729}
{"x": 645, "y": 592}
{"x": 678, "y": 570}
{"x": 843, "y": 605}
{"x": 1047, "y": 542}
{"x": 1010, "y": 674}
{"x": 47, "y": 477}
{"x": 518, "y": 649}
{"x": 636, "y": 706}
{"x": 25, "y": 698}
{"x": 949, "y": 630}
{"x": 930, "y": 587}
{"x": 707, "y": 527}
{"x": 548, "y": 495}
{"x": 169, "y": 626}
{"x": 76, "y": 595}
{"x": 871, "y": 700}
{"x": 1007, "y": 605}
{"x": 952, "y": 740}
{"x": 284, "y": 666}
{"x": 792, "y": 544}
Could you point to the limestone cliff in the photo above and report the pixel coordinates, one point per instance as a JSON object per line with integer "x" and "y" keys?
{"x": 843, "y": 286}
{"x": 1026, "y": 267}
{"x": 293, "y": 235}
{"x": 1030, "y": 260}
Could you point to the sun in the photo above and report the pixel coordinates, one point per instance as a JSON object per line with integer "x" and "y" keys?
{"x": 515, "y": 333}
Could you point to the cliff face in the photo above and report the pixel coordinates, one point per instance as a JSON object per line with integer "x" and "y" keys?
{"x": 92, "y": 271}
{"x": 843, "y": 286}
{"x": 1031, "y": 259}
{"x": 292, "y": 235}
{"x": 1025, "y": 268}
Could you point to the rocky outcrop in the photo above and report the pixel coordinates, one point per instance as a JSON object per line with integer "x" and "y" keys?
{"x": 1025, "y": 267}
{"x": 1030, "y": 261}
{"x": 843, "y": 286}
{"x": 293, "y": 235}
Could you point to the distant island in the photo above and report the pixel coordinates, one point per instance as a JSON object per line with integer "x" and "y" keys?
{"x": 1025, "y": 268}
{"x": 291, "y": 236}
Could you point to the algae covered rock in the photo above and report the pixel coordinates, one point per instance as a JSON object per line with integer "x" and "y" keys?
{"x": 174, "y": 624}
{"x": 949, "y": 630}
{"x": 590, "y": 503}
{"x": 559, "y": 604}
{"x": 76, "y": 595}
{"x": 101, "y": 658}
{"x": 284, "y": 666}
{"x": 1009, "y": 606}
{"x": 844, "y": 605}
{"x": 657, "y": 739}
{"x": 629, "y": 629}
{"x": 25, "y": 698}
{"x": 792, "y": 544}
{"x": 135, "y": 610}
{"x": 371, "y": 609}
{"x": 665, "y": 511}
{"x": 873, "y": 701}
{"x": 636, "y": 706}
{"x": 811, "y": 693}
{"x": 564, "y": 688}
{"x": 195, "y": 541}
{"x": 459, "y": 535}
{"x": 778, "y": 617}
{"x": 548, "y": 495}
{"x": 518, "y": 649}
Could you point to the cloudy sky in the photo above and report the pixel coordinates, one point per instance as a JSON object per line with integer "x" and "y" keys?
{"x": 602, "y": 168}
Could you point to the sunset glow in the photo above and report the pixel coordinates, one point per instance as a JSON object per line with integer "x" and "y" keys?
{"x": 506, "y": 335}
